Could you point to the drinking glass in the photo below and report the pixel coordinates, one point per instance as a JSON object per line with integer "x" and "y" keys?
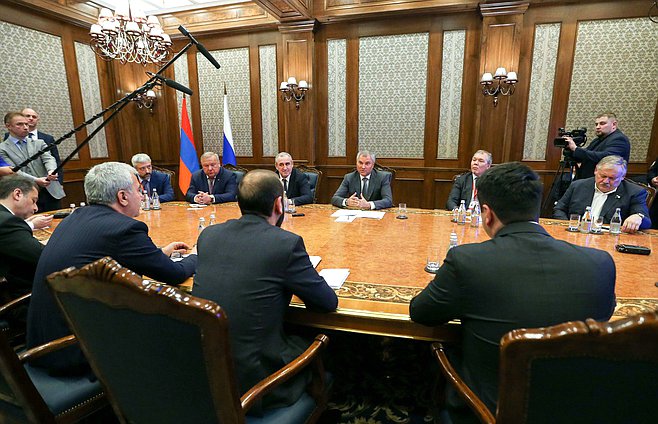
{"x": 402, "y": 211}
{"x": 597, "y": 225}
{"x": 574, "y": 222}
{"x": 433, "y": 259}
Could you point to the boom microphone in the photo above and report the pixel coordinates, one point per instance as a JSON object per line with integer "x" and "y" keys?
{"x": 199, "y": 47}
{"x": 171, "y": 83}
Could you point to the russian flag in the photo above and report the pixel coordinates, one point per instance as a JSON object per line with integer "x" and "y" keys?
{"x": 189, "y": 161}
{"x": 228, "y": 155}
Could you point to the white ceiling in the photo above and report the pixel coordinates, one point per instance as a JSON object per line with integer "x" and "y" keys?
{"x": 159, "y": 7}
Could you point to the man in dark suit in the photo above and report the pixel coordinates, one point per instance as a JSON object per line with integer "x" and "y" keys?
{"x": 104, "y": 228}
{"x": 295, "y": 183}
{"x": 609, "y": 141}
{"x": 255, "y": 289}
{"x": 464, "y": 186}
{"x": 18, "y": 147}
{"x": 19, "y": 250}
{"x": 365, "y": 188}
{"x": 152, "y": 180}
{"x": 652, "y": 179}
{"x": 605, "y": 192}
{"x": 212, "y": 183}
{"x": 520, "y": 278}
{"x": 32, "y": 122}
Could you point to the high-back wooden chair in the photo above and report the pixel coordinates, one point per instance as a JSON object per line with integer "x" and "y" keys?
{"x": 237, "y": 170}
{"x": 576, "y": 372}
{"x": 385, "y": 170}
{"x": 30, "y": 395}
{"x": 314, "y": 176}
{"x": 164, "y": 355}
{"x": 651, "y": 191}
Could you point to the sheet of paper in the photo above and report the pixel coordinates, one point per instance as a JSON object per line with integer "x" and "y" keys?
{"x": 344, "y": 212}
{"x": 346, "y": 218}
{"x": 371, "y": 214}
{"x": 315, "y": 260}
{"x": 335, "y": 277}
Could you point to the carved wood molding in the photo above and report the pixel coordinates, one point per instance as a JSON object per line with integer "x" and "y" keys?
{"x": 243, "y": 16}
{"x": 75, "y": 12}
{"x": 286, "y": 10}
{"x": 504, "y": 8}
{"x": 301, "y": 26}
{"x": 340, "y": 10}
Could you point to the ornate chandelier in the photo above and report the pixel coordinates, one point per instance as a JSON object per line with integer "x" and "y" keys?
{"x": 129, "y": 36}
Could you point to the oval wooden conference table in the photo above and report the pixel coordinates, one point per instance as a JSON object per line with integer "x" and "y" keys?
{"x": 386, "y": 259}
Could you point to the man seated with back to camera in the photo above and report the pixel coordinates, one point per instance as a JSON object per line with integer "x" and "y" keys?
{"x": 464, "y": 186}
{"x": 520, "y": 278}
{"x": 255, "y": 289}
{"x": 365, "y": 188}
{"x": 605, "y": 192}
{"x": 609, "y": 141}
{"x": 652, "y": 180}
{"x": 106, "y": 227}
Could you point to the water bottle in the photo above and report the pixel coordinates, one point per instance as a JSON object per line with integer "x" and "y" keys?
{"x": 83, "y": 204}
{"x": 475, "y": 217}
{"x": 586, "y": 221}
{"x": 155, "y": 200}
{"x": 285, "y": 202}
{"x": 615, "y": 222}
{"x": 71, "y": 207}
{"x": 212, "y": 219}
{"x": 202, "y": 225}
{"x": 453, "y": 239}
{"x": 461, "y": 220}
{"x": 455, "y": 214}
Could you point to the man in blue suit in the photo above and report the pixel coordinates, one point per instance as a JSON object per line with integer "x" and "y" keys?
{"x": 104, "y": 228}
{"x": 605, "y": 192}
{"x": 212, "y": 183}
{"x": 150, "y": 179}
{"x": 365, "y": 188}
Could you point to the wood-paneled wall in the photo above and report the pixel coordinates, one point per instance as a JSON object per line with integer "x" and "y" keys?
{"x": 497, "y": 34}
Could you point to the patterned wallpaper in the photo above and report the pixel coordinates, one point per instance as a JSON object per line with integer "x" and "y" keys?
{"x": 91, "y": 98}
{"x": 234, "y": 72}
{"x": 544, "y": 60}
{"x": 268, "y": 99}
{"x": 182, "y": 76}
{"x": 37, "y": 81}
{"x": 615, "y": 67}
{"x": 392, "y": 90}
{"x": 336, "y": 95}
{"x": 452, "y": 72}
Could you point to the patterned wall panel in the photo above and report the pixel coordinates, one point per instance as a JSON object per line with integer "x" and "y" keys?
{"x": 392, "y": 80}
{"x": 182, "y": 76}
{"x": 38, "y": 81}
{"x": 544, "y": 60}
{"x": 235, "y": 73}
{"x": 336, "y": 95}
{"x": 268, "y": 99}
{"x": 91, "y": 97}
{"x": 615, "y": 67}
{"x": 452, "y": 72}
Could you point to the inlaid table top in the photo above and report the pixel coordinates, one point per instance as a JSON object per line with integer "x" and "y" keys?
{"x": 386, "y": 259}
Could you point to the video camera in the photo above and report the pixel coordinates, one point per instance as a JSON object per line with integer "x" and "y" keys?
{"x": 578, "y": 135}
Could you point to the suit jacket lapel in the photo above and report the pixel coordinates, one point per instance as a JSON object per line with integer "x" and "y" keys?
{"x": 613, "y": 201}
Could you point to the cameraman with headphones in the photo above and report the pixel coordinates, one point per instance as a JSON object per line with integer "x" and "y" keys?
{"x": 609, "y": 141}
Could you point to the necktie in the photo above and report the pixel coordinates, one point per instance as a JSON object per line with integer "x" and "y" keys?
{"x": 211, "y": 184}
{"x": 32, "y": 136}
{"x": 285, "y": 185}
{"x": 475, "y": 189}
{"x": 364, "y": 189}
{"x": 146, "y": 186}
{"x": 22, "y": 145}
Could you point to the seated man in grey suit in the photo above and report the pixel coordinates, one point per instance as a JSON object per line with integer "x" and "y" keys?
{"x": 152, "y": 180}
{"x": 520, "y": 278}
{"x": 18, "y": 147}
{"x": 295, "y": 183}
{"x": 212, "y": 183}
{"x": 365, "y": 188}
{"x": 605, "y": 192}
{"x": 464, "y": 186}
{"x": 255, "y": 289}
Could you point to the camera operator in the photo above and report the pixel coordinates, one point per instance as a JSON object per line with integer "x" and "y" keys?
{"x": 609, "y": 141}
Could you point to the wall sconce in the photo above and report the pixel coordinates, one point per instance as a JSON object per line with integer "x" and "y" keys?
{"x": 145, "y": 100}
{"x": 500, "y": 76}
{"x": 291, "y": 91}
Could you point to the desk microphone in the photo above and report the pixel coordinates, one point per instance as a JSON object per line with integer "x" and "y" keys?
{"x": 171, "y": 83}
{"x": 199, "y": 46}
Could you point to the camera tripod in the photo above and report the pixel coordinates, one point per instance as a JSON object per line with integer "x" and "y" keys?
{"x": 561, "y": 182}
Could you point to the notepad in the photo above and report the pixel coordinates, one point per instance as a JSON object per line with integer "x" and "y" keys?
{"x": 348, "y": 215}
{"x": 315, "y": 260}
{"x": 346, "y": 218}
{"x": 335, "y": 277}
